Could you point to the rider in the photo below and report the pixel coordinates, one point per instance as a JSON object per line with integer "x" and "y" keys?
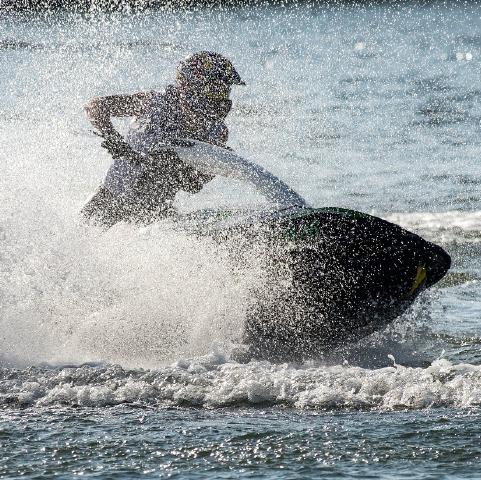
{"x": 143, "y": 180}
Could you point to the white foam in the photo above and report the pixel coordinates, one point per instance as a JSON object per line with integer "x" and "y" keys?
{"x": 140, "y": 297}
{"x": 212, "y": 382}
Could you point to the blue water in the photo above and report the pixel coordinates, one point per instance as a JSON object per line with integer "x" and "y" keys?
{"x": 129, "y": 442}
{"x": 116, "y": 347}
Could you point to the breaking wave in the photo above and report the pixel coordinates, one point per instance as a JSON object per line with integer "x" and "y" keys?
{"x": 214, "y": 382}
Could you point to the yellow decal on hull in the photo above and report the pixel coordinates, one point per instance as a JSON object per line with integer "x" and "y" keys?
{"x": 419, "y": 280}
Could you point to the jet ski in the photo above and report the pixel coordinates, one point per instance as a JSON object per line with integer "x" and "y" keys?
{"x": 333, "y": 275}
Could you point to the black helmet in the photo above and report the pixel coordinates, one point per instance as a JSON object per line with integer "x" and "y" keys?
{"x": 204, "y": 68}
{"x": 205, "y": 80}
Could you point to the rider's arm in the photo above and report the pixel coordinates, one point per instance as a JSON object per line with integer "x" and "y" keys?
{"x": 101, "y": 109}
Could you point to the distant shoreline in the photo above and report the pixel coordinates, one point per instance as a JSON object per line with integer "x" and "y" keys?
{"x": 139, "y": 5}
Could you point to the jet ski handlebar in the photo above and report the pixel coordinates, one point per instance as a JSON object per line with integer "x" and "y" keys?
{"x": 216, "y": 160}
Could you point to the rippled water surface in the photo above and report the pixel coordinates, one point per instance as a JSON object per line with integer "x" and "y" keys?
{"x": 130, "y": 442}
{"x": 116, "y": 347}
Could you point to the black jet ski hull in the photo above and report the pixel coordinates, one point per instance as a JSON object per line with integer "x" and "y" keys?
{"x": 349, "y": 275}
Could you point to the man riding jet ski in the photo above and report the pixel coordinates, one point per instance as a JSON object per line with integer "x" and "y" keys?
{"x": 332, "y": 275}
{"x": 141, "y": 184}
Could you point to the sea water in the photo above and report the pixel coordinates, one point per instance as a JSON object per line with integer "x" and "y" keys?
{"x": 116, "y": 347}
